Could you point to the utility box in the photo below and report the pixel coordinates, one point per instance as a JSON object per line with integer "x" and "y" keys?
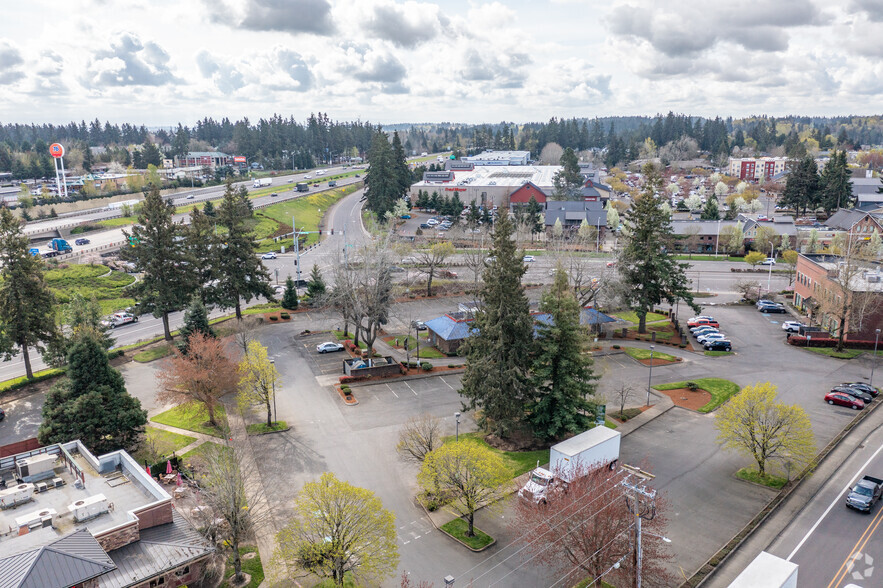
{"x": 35, "y": 520}
{"x": 16, "y": 495}
{"x": 37, "y": 467}
{"x": 767, "y": 571}
{"x": 89, "y": 508}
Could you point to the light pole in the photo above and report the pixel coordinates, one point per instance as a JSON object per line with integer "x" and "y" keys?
{"x": 650, "y": 377}
{"x": 718, "y": 238}
{"x": 873, "y": 365}
{"x": 457, "y": 434}
{"x": 275, "y": 415}
{"x": 773, "y": 260}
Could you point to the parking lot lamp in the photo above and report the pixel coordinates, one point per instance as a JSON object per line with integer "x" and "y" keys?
{"x": 873, "y": 365}
{"x": 275, "y": 416}
{"x": 457, "y": 434}
{"x": 650, "y": 377}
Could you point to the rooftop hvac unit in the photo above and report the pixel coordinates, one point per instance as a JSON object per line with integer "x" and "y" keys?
{"x": 89, "y": 507}
{"x": 36, "y": 519}
{"x": 16, "y": 495}
{"x": 35, "y": 465}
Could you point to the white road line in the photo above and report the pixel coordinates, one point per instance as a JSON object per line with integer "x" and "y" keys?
{"x": 412, "y": 390}
{"x": 833, "y": 502}
{"x": 393, "y": 391}
{"x": 446, "y": 383}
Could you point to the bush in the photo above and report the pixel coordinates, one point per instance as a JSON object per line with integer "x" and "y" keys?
{"x": 616, "y": 347}
{"x": 274, "y": 318}
{"x": 284, "y": 315}
{"x": 682, "y": 346}
{"x": 347, "y": 379}
{"x": 427, "y": 367}
{"x": 692, "y": 386}
{"x": 345, "y": 389}
{"x": 413, "y": 364}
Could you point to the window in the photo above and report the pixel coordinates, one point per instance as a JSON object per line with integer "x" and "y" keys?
{"x": 158, "y": 582}
{"x": 183, "y": 571}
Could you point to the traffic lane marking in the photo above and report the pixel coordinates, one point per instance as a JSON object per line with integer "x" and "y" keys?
{"x": 859, "y": 547}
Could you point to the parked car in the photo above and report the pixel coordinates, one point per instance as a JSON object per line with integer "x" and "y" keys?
{"x": 701, "y": 316}
{"x": 528, "y": 259}
{"x": 268, "y": 255}
{"x": 864, "y": 387}
{"x": 448, "y": 274}
{"x": 329, "y": 347}
{"x": 432, "y": 222}
{"x": 703, "y": 323}
{"x": 82, "y": 241}
{"x": 418, "y": 325}
{"x": 772, "y": 308}
{"x": 718, "y": 345}
{"x": 708, "y": 337}
{"x": 841, "y": 399}
{"x": 865, "y": 397}
{"x": 424, "y": 225}
{"x": 407, "y": 260}
{"x": 768, "y": 261}
{"x": 764, "y": 301}
{"x": 405, "y": 216}
{"x": 704, "y": 331}
{"x": 792, "y": 326}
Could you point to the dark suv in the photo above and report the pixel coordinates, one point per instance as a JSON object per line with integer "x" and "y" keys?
{"x": 719, "y": 345}
{"x": 772, "y": 307}
{"x": 854, "y": 392}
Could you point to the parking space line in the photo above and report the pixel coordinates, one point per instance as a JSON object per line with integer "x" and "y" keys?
{"x": 446, "y": 383}
{"x": 393, "y": 391}
{"x": 412, "y": 390}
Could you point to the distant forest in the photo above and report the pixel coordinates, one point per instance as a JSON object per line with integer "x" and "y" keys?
{"x": 280, "y": 143}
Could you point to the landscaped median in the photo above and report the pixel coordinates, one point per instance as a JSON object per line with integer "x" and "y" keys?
{"x": 643, "y": 356}
{"x": 703, "y": 394}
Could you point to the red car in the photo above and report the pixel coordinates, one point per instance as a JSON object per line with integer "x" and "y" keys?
{"x": 841, "y": 399}
{"x": 703, "y": 323}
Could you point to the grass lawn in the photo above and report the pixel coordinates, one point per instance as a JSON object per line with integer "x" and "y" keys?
{"x": 458, "y": 528}
{"x": 720, "y": 389}
{"x": 752, "y": 475}
{"x": 199, "y": 451}
{"x": 252, "y": 567}
{"x": 165, "y": 443}
{"x": 112, "y": 223}
{"x": 636, "y": 353}
{"x": 427, "y": 352}
{"x": 518, "y": 461}
{"x": 341, "y": 337}
{"x": 845, "y": 354}
{"x": 632, "y": 317}
{"x": 718, "y": 353}
{"x": 661, "y": 331}
{"x": 47, "y": 373}
{"x": 258, "y": 428}
{"x": 192, "y": 417}
{"x": 91, "y": 281}
{"x": 152, "y": 354}
{"x": 307, "y": 211}
{"x": 706, "y": 258}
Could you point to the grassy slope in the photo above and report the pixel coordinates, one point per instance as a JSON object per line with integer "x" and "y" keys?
{"x": 720, "y": 389}
{"x": 192, "y": 417}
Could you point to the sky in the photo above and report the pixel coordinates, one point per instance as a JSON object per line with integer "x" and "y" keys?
{"x": 161, "y": 62}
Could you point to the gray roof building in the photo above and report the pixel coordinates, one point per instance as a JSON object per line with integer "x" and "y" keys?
{"x": 68, "y": 561}
{"x": 571, "y": 213}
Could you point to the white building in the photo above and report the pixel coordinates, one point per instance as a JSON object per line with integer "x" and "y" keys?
{"x": 499, "y": 158}
{"x": 485, "y": 185}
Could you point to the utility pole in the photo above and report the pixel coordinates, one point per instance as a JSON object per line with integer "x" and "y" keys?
{"x": 296, "y": 248}
{"x": 642, "y": 504}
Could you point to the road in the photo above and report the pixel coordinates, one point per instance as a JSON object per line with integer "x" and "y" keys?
{"x": 832, "y": 544}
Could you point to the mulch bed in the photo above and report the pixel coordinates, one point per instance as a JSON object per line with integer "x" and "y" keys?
{"x": 656, "y": 361}
{"x": 279, "y": 319}
{"x": 686, "y": 398}
{"x": 612, "y": 416}
{"x": 352, "y": 398}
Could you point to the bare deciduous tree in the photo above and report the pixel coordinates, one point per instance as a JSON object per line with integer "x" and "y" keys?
{"x": 417, "y": 437}
{"x": 245, "y": 331}
{"x": 432, "y": 259}
{"x": 623, "y": 393}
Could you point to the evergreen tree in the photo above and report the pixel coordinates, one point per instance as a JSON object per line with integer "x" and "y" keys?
{"x": 647, "y": 265}
{"x": 27, "y": 306}
{"x": 568, "y": 180}
{"x": 381, "y": 182}
{"x": 289, "y": 297}
{"x": 202, "y": 245}
{"x": 240, "y": 273}
{"x": 87, "y": 158}
{"x": 710, "y": 211}
{"x": 834, "y": 185}
{"x": 400, "y": 167}
{"x": 534, "y": 216}
{"x": 496, "y": 378}
{"x": 562, "y": 372}
{"x": 166, "y": 278}
{"x": 316, "y": 285}
{"x": 802, "y": 186}
{"x": 91, "y": 404}
{"x": 209, "y": 209}
{"x": 195, "y": 321}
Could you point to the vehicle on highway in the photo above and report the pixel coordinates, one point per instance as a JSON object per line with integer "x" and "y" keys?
{"x": 261, "y": 182}
{"x": 190, "y": 196}
{"x": 329, "y": 347}
{"x": 273, "y": 195}
{"x": 611, "y": 263}
{"x": 332, "y": 183}
{"x": 865, "y": 397}
{"x": 303, "y": 187}
{"x": 268, "y": 255}
{"x": 419, "y": 325}
{"x": 358, "y": 175}
{"x": 718, "y": 345}
{"x": 863, "y": 387}
{"x": 773, "y": 308}
{"x": 82, "y": 242}
{"x": 528, "y": 258}
{"x": 792, "y": 326}
{"x": 768, "y": 261}
{"x": 841, "y": 399}
{"x": 448, "y": 274}
{"x": 405, "y": 216}
{"x": 119, "y": 319}
{"x": 865, "y": 493}
{"x": 709, "y": 337}
{"x": 308, "y": 177}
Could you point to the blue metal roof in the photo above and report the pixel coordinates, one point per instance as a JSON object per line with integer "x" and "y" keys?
{"x": 448, "y": 329}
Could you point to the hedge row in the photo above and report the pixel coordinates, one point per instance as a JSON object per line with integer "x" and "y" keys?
{"x": 800, "y": 341}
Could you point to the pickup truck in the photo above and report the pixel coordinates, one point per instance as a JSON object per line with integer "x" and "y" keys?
{"x": 119, "y": 319}
{"x": 864, "y": 494}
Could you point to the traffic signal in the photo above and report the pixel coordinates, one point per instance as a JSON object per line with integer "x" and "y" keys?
{"x": 295, "y": 261}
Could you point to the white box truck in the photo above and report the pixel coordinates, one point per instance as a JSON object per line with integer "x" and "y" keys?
{"x": 262, "y": 182}
{"x": 596, "y": 448}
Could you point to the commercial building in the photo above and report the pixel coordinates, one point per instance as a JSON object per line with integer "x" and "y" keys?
{"x": 212, "y": 159}
{"x": 486, "y": 186}
{"x": 702, "y": 236}
{"x": 71, "y": 519}
{"x": 755, "y": 168}
{"x": 499, "y": 158}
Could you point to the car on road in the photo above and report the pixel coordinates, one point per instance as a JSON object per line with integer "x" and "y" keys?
{"x": 718, "y": 345}
{"x": 268, "y": 255}
{"x": 190, "y": 196}
{"x": 841, "y": 399}
{"x": 865, "y": 397}
{"x": 405, "y": 216}
{"x": 407, "y": 260}
{"x": 864, "y": 494}
{"x": 81, "y": 242}
{"x": 792, "y": 326}
{"x": 358, "y": 176}
{"x": 273, "y": 195}
{"x": 119, "y": 319}
{"x": 772, "y": 308}
{"x": 528, "y": 259}
{"x": 768, "y": 261}
{"x": 419, "y": 325}
{"x": 308, "y": 177}
{"x": 611, "y": 263}
{"x": 863, "y": 387}
{"x": 703, "y": 323}
{"x": 329, "y": 347}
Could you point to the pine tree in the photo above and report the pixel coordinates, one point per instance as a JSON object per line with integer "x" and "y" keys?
{"x": 316, "y": 285}
{"x": 568, "y": 180}
{"x": 710, "y": 211}
{"x": 834, "y": 185}
{"x": 209, "y": 209}
{"x": 27, "y": 306}
{"x": 400, "y": 167}
{"x": 381, "y": 182}
{"x": 802, "y": 186}
{"x": 202, "y": 245}
{"x": 496, "y": 378}
{"x": 534, "y": 216}
{"x": 289, "y": 297}
{"x": 91, "y": 404}
{"x": 647, "y": 264}
{"x": 195, "y": 321}
{"x": 562, "y": 372}
{"x": 166, "y": 279}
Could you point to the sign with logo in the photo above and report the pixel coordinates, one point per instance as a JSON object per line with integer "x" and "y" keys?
{"x": 239, "y": 159}
{"x": 600, "y": 414}
{"x": 56, "y": 150}
{"x": 455, "y": 189}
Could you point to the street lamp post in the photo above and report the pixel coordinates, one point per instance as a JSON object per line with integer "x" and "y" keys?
{"x": 457, "y": 434}
{"x": 275, "y": 415}
{"x": 650, "y": 377}
{"x": 770, "y": 274}
{"x": 873, "y": 365}
{"x": 718, "y": 238}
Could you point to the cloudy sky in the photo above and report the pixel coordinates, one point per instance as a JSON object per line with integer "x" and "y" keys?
{"x": 158, "y": 62}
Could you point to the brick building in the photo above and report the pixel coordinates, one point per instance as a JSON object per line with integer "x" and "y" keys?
{"x": 754, "y": 168}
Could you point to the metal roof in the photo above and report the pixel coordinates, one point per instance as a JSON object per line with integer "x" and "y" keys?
{"x": 68, "y": 561}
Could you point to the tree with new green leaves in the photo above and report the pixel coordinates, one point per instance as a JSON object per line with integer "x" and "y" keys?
{"x": 79, "y": 317}
{"x": 195, "y": 321}
{"x": 289, "y": 295}
{"x": 497, "y": 377}
{"x": 27, "y": 306}
{"x": 754, "y": 257}
{"x": 802, "y": 186}
{"x": 754, "y": 423}
{"x": 469, "y": 472}
{"x": 258, "y": 379}
{"x": 339, "y": 530}
{"x": 568, "y": 180}
{"x": 316, "y": 285}
{"x": 557, "y": 229}
{"x": 432, "y": 259}
{"x": 790, "y": 256}
{"x": 91, "y": 404}
{"x": 835, "y": 186}
{"x": 159, "y": 254}
{"x": 561, "y": 369}
{"x": 731, "y": 239}
{"x": 239, "y": 271}
{"x": 646, "y": 262}
{"x": 612, "y": 216}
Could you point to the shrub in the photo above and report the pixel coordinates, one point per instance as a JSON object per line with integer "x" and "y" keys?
{"x": 413, "y": 364}
{"x": 692, "y": 386}
{"x": 345, "y": 389}
{"x": 427, "y": 367}
{"x": 274, "y": 318}
{"x": 347, "y": 379}
{"x": 616, "y": 346}
{"x": 284, "y": 315}
{"x": 682, "y": 346}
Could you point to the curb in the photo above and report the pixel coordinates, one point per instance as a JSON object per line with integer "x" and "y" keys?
{"x": 266, "y": 432}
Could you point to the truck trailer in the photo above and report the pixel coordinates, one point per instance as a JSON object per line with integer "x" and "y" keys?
{"x": 262, "y": 182}
{"x": 303, "y": 187}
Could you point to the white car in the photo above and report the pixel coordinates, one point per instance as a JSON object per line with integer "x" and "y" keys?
{"x": 408, "y": 260}
{"x": 190, "y": 197}
{"x": 703, "y": 339}
{"x": 268, "y": 255}
{"x": 528, "y": 259}
{"x": 432, "y": 222}
{"x": 308, "y": 177}
{"x": 329, "y": 347}
{"x": 119, "y": 319}
{"x": 768, "y": 261}
{"x": 792, "y": 326}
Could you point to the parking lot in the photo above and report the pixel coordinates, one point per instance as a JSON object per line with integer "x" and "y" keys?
{"x": 322, "y": 364}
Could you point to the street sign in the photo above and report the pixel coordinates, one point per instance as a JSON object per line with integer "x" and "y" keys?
{"x": 239, "y": 159}
{"x": 600, "y": 414}
{"x": 56, "y": 150}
